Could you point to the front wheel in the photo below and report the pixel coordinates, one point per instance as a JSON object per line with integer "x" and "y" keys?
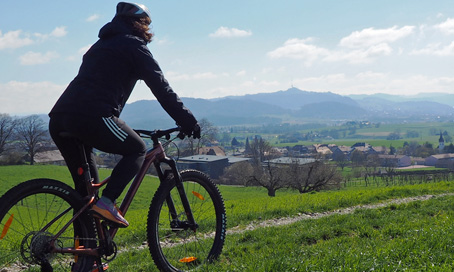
{"x": 174, "y": 244}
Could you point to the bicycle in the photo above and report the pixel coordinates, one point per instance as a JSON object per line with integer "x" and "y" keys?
{"x": 45, "y": 224}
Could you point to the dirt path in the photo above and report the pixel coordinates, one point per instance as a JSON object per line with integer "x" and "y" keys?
{"x": 289, "y": 220}
{"x": 299, "y": 217}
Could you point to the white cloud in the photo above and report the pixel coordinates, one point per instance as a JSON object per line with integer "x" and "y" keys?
{"x": 374, "y": 82}
{"x": 14, "y": 39}
{"x": 370, "y": 36}
{"x": 173, "y": 76}
{"x": 33, "y": 58}
{"x": 225, "y": 32}
{"x": 447, "y": 27}
{"x": 241, "y": 73}
{"x": 360, "y": 56}
{"x": 59, "y": 32}
{"x": 92, "y": 18}
{"x": 29, "y": 97}
{"x": 206, "y": 75}
{"x": 84, "y": 49}
{"x": 299, "y": 49}
{"x": 435, "y": 50}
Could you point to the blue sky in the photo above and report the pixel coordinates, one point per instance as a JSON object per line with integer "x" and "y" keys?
{"x": 210, "y": 49}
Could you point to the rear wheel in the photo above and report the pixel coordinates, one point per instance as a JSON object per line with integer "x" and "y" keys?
{"x": 25, "y": 210}
{"x": 174, "y": 244}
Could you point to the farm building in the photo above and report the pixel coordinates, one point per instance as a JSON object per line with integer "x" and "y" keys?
{"x": 394, "y": 160}
{"x": 440, "y": 160}
{"x": 209, "y": 164}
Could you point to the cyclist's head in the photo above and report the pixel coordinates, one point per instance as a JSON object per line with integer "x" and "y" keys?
{"x": 132, "y": 10}
{"x": 138, "y": 17}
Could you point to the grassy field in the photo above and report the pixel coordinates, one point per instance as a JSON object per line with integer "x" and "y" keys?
{"x": 376, "y": 136}
{"x": 416, "y": 236}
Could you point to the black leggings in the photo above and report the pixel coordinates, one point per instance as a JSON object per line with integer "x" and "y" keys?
{"x": 108, "y": 134}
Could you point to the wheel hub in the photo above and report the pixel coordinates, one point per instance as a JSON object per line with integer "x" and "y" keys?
{"x": 35, "y": 247}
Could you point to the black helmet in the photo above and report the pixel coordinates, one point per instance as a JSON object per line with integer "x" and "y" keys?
{"x": 132, "y": 10}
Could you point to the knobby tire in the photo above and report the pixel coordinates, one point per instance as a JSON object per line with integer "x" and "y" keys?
{"x": 25, "y": 210}
{"x": 174, "y": 247}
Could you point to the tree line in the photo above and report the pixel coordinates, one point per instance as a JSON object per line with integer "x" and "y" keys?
{"x": 262, "y": 171}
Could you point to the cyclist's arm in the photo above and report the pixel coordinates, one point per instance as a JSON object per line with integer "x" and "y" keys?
{"x": 153, "y": 76}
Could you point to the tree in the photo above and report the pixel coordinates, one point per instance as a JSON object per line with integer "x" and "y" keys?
{"x": 269, "y": 176}
{"x": 7, "y": 125}
{"x": 341, "y": 159}
{"x": 265, "y": 174}
{"x": 238, "y": 174}
{"x": 31, "y": 132}
{"x": 357, "y": 157}
{"x": 312, "y": 177}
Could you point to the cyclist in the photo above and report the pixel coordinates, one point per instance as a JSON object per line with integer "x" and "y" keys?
{"x": 90, "y": 106}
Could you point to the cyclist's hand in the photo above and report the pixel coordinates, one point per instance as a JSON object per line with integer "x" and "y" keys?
{"x": 194, "y": 132}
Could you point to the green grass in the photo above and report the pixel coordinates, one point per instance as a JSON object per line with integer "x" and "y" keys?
{"x": 413, "y": 236}
{"x": 410, "y": 237}
{"x": 376, "y": 136}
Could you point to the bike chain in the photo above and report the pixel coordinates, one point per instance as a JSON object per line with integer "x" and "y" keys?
{"x": 104, "y": 257}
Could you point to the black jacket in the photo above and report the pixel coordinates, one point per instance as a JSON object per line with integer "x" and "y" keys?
{"x": 109, "y": 72}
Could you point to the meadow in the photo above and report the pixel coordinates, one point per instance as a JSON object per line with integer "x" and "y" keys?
{"x": 413, "y": 236}
{"x": 376, "y": 135}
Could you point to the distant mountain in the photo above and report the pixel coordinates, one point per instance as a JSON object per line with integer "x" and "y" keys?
{"x": 224, "y": 112}
{"x": 294, "y": 105}
{"x": 442, "y": 98}
{"x": 399, "y": 107}
{"x": 295, "y": 99}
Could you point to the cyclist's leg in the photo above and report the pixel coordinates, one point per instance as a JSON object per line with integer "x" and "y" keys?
{"x": 118, "y": 138}
{"x": 68, "y": 148}
{"x": 110, "y": 135}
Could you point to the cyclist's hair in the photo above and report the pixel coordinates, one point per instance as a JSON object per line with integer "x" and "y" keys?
{"x": 140, "y": 27}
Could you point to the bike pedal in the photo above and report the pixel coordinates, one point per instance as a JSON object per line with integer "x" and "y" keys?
{"x": 105, "y": 266}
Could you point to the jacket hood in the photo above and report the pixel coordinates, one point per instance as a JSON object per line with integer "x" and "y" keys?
{"x": 115, "y": 27}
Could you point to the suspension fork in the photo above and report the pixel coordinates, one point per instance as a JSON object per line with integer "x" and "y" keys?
{"x": 181, "y": 191}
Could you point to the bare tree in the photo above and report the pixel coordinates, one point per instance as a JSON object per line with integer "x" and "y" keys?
{"x": 7, "y": 125}
{"x": 313, "y": 176}
{"x": 265, "y": 174}
{"x": 238, "y": 174}
{"x": 269, "y": 176}
{"x": 341, "y": 160}
{"x": 371, "y": 166}
{"x": 261, "y": 150}
{"x": 31, "y": 132}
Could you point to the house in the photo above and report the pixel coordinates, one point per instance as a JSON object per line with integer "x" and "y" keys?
{"x": 211, "y": 150}
{"x": 418, "y": 161}
{"x": 341, "y": 152}
{"x": 323, "y": 149}
{"x": 439, "y": 159}
{"x": 209, "y": 164}
{"x": 394, "y": 160}
{"x": 299, "y": 150}
{"x": 289, "y": 161}
{"x": 379, "y": 150}
{"x": 49, "y": 157}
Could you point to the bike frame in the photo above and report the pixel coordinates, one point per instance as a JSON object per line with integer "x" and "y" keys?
{"x": 155, "y": 155}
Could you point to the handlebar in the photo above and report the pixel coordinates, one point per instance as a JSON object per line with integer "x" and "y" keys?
{"x": 156, "y": 134}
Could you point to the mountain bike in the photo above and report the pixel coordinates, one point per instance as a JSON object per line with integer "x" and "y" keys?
{"x": 45, "y": 225}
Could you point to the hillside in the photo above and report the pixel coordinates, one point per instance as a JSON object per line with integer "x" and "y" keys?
{"x": 294, "y": 105}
